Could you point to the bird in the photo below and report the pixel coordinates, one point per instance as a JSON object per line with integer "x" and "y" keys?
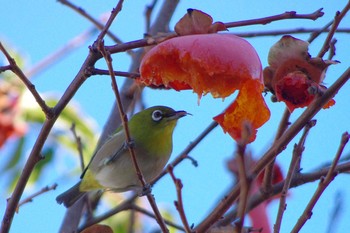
{"x": 111, "y": 167}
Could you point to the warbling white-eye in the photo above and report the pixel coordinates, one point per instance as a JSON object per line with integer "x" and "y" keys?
{"x": 111, "y": 167}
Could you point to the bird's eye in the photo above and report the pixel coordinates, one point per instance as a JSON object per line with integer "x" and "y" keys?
{"x": 157, "y": 115}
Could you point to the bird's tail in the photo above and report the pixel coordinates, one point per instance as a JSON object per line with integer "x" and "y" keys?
{"x": 69, "y": 197}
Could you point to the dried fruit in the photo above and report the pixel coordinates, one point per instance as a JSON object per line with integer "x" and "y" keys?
{"x": 292, "y": 75}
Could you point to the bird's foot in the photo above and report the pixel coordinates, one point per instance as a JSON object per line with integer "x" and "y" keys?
{"x": 147, "y": 189}
{"x": 129, "y": 144}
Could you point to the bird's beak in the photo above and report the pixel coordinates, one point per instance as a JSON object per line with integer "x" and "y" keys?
{"x": 177, "y": 114}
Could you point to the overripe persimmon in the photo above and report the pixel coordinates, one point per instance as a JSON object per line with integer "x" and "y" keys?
{"x": 218, "y": 64}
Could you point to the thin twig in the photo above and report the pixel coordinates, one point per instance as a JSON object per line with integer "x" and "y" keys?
{"x": 179, "y": 203}
{"x": 5, "y": 68}
{"x": 125, "y": 205}
{"x": 337, "y": 19}
{"x": 332, "y": 49}
{"x": 35, "y": 156}
{"x": 159, "y": 38}
{"x": 316, "y": 33}
{"x": 94, "y": 21}
{"x": 131, "y": 75}
{"x": 31, "y": 197}
{"x": 151, "y": 215}
{"x": 297, "y": 152}
{"x": 297, "y": 181}
{"x": 148, "y": 14}
{"x": 110, "y": 20}
{"x": 323, "y": 184}
{"x": 287, "y": 32}
{"x": 266, "y": 20}
{"x": 47, "y": 61}
{"x": 244, "y": 181}
{"x": 185, "y": 153}
{"x": 123, "y": 116}
{"x": 79, "y": 146}
{"x": 132, "y": 221}
{"x": 268, "y": 174}
{"x": 15, "y": 69}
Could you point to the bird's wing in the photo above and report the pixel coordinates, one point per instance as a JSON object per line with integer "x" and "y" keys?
{"x": 110, "y": 151}
{"x": 113, "y": 157}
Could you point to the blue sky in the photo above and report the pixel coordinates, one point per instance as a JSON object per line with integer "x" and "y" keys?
{"x": 38, "y": 28}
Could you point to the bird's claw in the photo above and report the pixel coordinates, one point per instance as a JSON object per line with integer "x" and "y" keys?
{"x": 147, "y": 189}
{"x": 129, "y": 144}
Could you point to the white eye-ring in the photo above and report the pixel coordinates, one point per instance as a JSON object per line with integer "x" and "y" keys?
{"x": 157, "y": 115}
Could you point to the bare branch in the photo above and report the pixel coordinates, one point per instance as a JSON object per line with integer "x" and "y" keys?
{"x": 121, "y": 207}
{"x": 266, "y": 20}
{"x": 297, "y": 181}
{"x": 184, "y": 154}
{"x": 288, "y": 31}
{"x": 297, "y": 152}
{"x": 110, "y": 20}
{"x": 243, "y": 175}
{"x": 268, "y": 174}
{"x": 316, "y": 33}
{"x": 79, "y": 146}
{"x": 5, "y": 68}
{"x": 31, "y": 197}
{"x": 148, "y": 14}
{"x": 149, "y": 214}
{"x": 86, "y": 15}
{"x": 332, "y": 49}
{"x": 337, "y": 19}
{"x": 324, "y": 182}
{"x": 16, "y": 70}
{"x": 159, "y": 38}
{"x": 61, "y": 52}
{"x": 179, "y": 203}
{"x": 131, "y": 75}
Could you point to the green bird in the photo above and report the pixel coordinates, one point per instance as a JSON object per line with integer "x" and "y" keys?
{"x": 111, "y": 167}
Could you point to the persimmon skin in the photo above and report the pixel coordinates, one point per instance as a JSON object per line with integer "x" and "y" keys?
{"x": 218, "y": 64}
{"x": 215, "y": 63}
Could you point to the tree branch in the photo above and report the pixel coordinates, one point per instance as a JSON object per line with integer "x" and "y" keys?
{"x": 79, "y": 146}
{"x": 324, "y": 182}
{"x": 298, "y": 180}
{"x": 94, "y": 21}
{"x": 179, "y": 203}
{"x": 337, "y": 19}
{"x": 266, "y": 20}
{"x": 131, "y": 75}
{"x": 31, "y": 197}
{"x": 16, "y": 70}
{"x": 297, "y": 152}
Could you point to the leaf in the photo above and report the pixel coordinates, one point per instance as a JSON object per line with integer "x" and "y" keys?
{"x": 197, "y": 22}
